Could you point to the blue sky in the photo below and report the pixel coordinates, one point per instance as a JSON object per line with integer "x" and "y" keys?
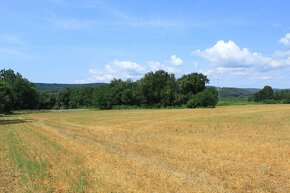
{"x": 241, "y": 43}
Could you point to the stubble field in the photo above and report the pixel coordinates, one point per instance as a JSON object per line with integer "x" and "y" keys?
{"x": 227, "y": 149}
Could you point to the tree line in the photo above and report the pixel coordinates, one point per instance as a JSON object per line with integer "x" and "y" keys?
{"x": 268, "y": 95}
{"x": 158, "y": 89}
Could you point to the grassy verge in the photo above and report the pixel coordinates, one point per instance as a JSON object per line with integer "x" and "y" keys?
{"x": 230, "y": 102}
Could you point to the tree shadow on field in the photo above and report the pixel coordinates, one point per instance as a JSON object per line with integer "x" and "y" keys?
{"x": 13, "y": 121}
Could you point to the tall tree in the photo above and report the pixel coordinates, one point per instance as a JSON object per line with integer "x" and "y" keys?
{"x": 158, "y": 88}
{"x": 46, "y": 100}
{"x": 118, "y": 86}
{"x": 6, "y": 98}
{"x": 283, "y": 96}
{"x": 266, "y": 93}
{"x": 102, "y": 97}
{"x": 24, "y": 92}
{"x": 63, "y": 98}
{"x": 191, "y": 84}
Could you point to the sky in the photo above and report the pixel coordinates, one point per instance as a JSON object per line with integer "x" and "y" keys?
{"x": 236, "y": 43}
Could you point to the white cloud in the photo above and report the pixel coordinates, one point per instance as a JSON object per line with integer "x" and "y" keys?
{"x": 171, "y": 66}
{"x": 174, "y": 60}
{"x": 128, "y": 65}
{"x": 101, "y": 76}
{"x": 156, "y": 65}
{"x": 125, "y": 69}
{"x": 285, "y": 40}
{"x": 230, "y": 55}
{"x": 122, "y": 69}
{"x": 282, "y": 58}
{"x": 208, "y": 72}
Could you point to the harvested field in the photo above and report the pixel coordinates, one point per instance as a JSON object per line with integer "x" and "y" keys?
{"x": 227, "y": 149}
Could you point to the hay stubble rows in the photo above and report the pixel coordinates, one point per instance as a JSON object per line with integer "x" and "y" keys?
{"x": 227, "y": 149}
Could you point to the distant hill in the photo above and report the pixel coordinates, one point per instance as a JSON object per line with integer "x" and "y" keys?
{"x": 234, "y": 93}
{"x": 53, "y": 87}
{"x": 239, "y": 93}
{"x": 252, "y": 90}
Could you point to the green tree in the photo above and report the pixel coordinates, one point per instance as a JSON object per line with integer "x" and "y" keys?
{"x": 118, "y": 88}
{"x": 81, "y": 97}
{"x": 63, "y": 98}
{"x": 102, "y": 97}
{"x": 189, "y": 85}
{"x": 24, "y": 93}
{"x": 263, "y": 95}
{"x": 283, "y": 96}
{"x": 129, "y": 95}
{"x": 158, "y": 88}
{"x": 86, "y": 96}
{"x": 6, "y": 98}
{"x": 155, "y": 89}
{"x": 46, "y": 100}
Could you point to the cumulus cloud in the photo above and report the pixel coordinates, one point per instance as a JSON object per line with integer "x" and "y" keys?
{"x": 229, "y": 54}
{"x": 156, "y": 65}
{"x": 230, "y": 57}
{"x": 172, "y": 66}
{"x": 285, "y": 40}
{"x": 207, "y": 72}
{"x": 96, "y": 75}
{"x": 174, "y": 60}
{"x": 122, "y": 69}
{"x": 125, "y": 69}
{"x": 127, "y": 65}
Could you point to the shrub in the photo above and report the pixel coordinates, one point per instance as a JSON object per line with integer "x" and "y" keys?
{"x": 264, "y": 95}
{"x": 206, "y": 98}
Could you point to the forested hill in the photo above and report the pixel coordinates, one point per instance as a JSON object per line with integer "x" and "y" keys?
{"x": 231, "y": 93}
{"x": 225, "y": 92}
{"x": 54, "y": 87}
{"x": 239, "y": 93}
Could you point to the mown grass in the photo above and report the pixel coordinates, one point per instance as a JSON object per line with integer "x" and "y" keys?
{"x": 243, "y": 148}
{"x": 41, "y": 137}
{"x": 31, "y": 170}
{"x": 39, "y": 160}
{"x": 80, "y": 182}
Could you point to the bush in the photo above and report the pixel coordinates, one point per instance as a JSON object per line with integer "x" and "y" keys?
{"x": 270, "y": 101}
{"x": 206, "y": 98}
{"x": 265, "y": 95}
{"x": 285, "y": 101}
